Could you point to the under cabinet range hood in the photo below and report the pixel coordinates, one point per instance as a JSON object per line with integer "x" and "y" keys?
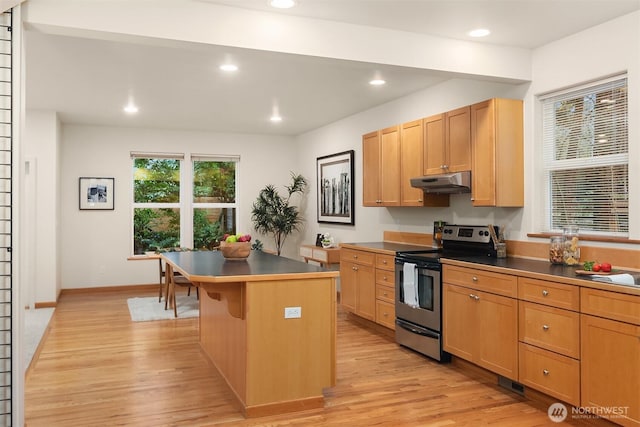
{"x": 450, "y": 183}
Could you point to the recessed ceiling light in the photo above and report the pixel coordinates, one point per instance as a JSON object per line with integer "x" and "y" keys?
{"x": 282, "y": 4}
{"x": 130, "y": 109}
{"x": 480, "y": 32}
{"x": 276, "y": 119}
{"x": 377, "y": 82}
{"x": 229, "y": 67}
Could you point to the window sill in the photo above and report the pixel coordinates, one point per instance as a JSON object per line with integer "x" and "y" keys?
{"x": 589, "y": 238}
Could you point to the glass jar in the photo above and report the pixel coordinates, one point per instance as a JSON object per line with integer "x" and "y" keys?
{"x": 571, "y": 252}
{"x": 556, "y": 250}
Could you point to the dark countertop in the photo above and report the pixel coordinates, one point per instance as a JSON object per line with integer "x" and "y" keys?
{"x": 211, "y": 266}
{"x": 389, "y": 247}
{"x": 540, "y": 269}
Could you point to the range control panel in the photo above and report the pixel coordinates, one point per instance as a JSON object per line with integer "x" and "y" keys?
{"x": 467, "y": 233}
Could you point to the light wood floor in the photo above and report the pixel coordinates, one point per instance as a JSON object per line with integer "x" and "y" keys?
{"x": 98, "y": 368}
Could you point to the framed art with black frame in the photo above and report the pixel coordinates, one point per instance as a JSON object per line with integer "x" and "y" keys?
{"x": 96, "y": 193}
{"x": 335, "y": 188}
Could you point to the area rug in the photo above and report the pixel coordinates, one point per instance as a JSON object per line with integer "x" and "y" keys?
{"x": 148, "y": 308}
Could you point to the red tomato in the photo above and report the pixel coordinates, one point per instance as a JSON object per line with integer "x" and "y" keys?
{"x": 596, "y": 267}
{"x": 605, "y": 267}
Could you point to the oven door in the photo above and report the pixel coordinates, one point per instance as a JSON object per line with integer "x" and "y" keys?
{"x": 429, "y": 289}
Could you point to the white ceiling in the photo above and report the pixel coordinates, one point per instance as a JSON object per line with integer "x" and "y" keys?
{"x": 88, "y": 80}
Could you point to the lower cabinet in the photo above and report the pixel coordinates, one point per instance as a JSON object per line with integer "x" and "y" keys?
{"x": 357, "y": 290}
{"x": 367, "y": 286}
{"x": 610, "y": 351}
{"x": 482, "y": 328}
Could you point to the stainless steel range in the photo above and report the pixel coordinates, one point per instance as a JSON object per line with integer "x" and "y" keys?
{"x": 419, "y": 287}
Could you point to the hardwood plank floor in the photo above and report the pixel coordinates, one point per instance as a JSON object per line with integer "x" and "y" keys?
{"x": 98, "y": 368}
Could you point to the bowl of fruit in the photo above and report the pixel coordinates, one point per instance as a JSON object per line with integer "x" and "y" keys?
{"x": 235, "y": 246}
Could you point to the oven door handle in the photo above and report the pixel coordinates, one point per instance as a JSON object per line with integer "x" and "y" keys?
{"x": 416, "y": 329}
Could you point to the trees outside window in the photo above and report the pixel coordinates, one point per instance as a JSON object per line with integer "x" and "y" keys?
{"x": 163, "y": 218}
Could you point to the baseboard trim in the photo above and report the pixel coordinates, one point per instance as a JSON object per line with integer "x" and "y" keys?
{"x": 110, "y": 289}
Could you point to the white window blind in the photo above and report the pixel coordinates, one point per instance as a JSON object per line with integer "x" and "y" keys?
{"x": 585, "y": 158}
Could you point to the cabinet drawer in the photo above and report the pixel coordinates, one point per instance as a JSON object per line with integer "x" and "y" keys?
{"x": 385, "y": 277}
{"x": 386, "y": 314}
{"x": 550, "y": 373}
{"x": 385, "y": 262}
{"x": 386, "y": 293}
{"x": 612, "y": 305}
{"x": 360, "y": 257}
{"x": 549, "y": 293}
{"x": 496, "y": 283}
{"x": 550, "y": 328}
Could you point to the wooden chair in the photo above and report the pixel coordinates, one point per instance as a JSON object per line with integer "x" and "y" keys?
{"x": 173, "y": 279}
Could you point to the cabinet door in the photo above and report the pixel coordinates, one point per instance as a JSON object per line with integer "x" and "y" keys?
{"x": 483, "y": 186}
{"x": 348, "y": 285}
{"x": 497, "y": 334}
{"x": 610, "y": 357}
{"x": 411, "y": 146}
{"x": 434, "y": 146}
{"x": 390, "y": 166}
{"x": 371, "y": 169}
{"x": 458, "y": 139}
{"x": 365, "y": 292}
{"x": 459, "y": 313}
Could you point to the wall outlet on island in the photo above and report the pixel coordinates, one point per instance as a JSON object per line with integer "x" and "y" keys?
{"x": 292, "y": 312}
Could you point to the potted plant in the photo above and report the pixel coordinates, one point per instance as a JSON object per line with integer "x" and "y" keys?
{"x": 273, "y": 214}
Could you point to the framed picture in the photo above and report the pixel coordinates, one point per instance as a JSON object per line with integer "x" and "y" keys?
{"x": 96, "y": 193}
{"x": 335, "y": 188}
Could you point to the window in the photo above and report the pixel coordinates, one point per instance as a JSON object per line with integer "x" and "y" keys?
{"x": 585, "y": 158}
{"x": 164, "y": 218}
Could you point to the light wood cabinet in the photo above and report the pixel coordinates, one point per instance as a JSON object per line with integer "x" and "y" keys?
{"x": 447, "y": 142}
{"x": 481, "y": 327}
{"x": 385, "y": 290}
{"x": 610, "y": 353}
{"x": 497, "y": 153}
{"x": 550, "y": 328}
{"x": 371, "y": 169}
{"x": 550, "y": 373}
{"x": 381, "y": 165}
{"x": 411, "y": 166}
{"x": 357, "y": 282}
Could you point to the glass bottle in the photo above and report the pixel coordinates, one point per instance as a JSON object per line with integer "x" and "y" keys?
{"x": 556, "y": 250}
{"x": 571, "y": 252}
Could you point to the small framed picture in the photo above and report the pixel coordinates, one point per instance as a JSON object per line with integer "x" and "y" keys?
{"x": 96, "y": 193}
{"x": 335, "y": 188}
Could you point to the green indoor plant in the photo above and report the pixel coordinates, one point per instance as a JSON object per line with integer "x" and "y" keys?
{"x": 273, "y": 214}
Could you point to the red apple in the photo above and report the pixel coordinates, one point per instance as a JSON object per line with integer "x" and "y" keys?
{"x": 605, "y": 267}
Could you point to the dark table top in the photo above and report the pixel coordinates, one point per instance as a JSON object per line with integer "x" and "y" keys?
{"x": 211, "y": 266}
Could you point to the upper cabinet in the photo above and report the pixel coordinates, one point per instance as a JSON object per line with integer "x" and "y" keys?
{"x": 497, "y": 153}
{"x": 381, "y": 166}
{"x": 411, "y": 166}
{"x": 447, "y": 142}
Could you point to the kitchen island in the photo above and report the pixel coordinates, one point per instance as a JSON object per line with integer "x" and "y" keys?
{"x": 268, "y": 324}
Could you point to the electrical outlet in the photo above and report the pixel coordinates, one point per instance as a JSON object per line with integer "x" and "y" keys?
{"x": 292, "y": 312}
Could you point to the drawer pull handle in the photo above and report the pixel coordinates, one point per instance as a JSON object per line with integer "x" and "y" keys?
{"x": 545, "y": 327}
{"x": 384, "y": 261}
{"x": 355, "y": 268}
{"x": 385, "y": 278}
{"x": 384, "y": 294}
{"x": 475, "y": 297}
{"x": 545, "y": 293}
{"x": 545, "y": 372}
{"x": 474, "y": 278}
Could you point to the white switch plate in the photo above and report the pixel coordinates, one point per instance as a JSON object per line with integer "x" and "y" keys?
{"x": 292, "y": 312}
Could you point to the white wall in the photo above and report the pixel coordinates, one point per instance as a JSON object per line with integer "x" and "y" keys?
{"x": 41, "y": 218}
{"x": 95, "y": 244}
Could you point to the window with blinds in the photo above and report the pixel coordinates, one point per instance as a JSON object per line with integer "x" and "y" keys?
{"x": 585, "y": 158}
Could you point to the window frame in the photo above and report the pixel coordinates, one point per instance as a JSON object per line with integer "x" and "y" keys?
{"x": 186, "y": 205}
{"x": 548, "y": 164}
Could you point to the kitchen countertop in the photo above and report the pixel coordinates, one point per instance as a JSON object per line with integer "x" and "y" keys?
{"x": 537, "y": 269}
{"x": 389, "y": 248}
